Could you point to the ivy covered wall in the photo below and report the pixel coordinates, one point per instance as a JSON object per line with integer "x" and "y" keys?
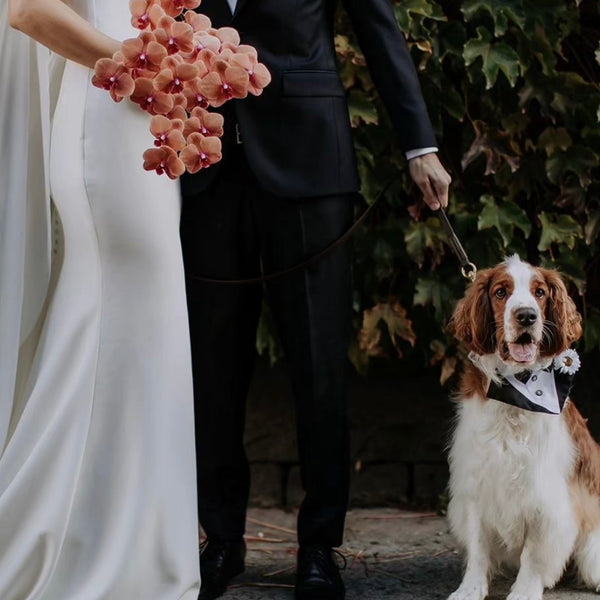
{"x": 512, "y": 90}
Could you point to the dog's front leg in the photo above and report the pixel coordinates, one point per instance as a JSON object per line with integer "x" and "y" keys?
{"x": 548, "y": 546}
{"x": 466, "y": 525}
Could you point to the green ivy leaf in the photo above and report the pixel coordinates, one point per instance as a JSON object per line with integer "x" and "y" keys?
{"x": 496, "y": 57}
{"x": 592, "y": 226}
{"x": 267, "y": 342}
{"x": 552, "y": 139}
{"x": 569, "y": 265}
{"x": 504, "y": 217}
{"x": 408, "y": 9}
{"x": 423, "y": 236}
{"x": 559, "y": 229}
{"x": 362, "y": 109}
{"x": 502, "y": 11}
{"x": 498, "y": 146}
{"x": 399, "y": 327}
{"x": 452, "y": 37}
{"x": 432, "y": 292}
{"x": 452, "y": 102}
{"x": 575, "y": 159}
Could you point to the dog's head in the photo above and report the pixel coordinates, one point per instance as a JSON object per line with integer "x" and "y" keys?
{"x": 522, "y": 313}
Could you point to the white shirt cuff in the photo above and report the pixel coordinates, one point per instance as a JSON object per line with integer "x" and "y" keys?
{"x": 419, "y": 152}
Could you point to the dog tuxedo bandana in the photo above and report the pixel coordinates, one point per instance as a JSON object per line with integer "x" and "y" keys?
{"x": 543, "y": 391}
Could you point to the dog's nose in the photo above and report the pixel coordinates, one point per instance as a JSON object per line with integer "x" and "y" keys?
{"x": 526, "y": 316}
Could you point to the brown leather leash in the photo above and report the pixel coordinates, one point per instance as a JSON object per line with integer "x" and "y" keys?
{"x": 308, "y": 262}
{"x": 468, "y": 269}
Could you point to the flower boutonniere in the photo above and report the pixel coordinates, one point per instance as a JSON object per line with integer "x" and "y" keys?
{"x": 177, "y": 68}
{"x": 567, "y": 362}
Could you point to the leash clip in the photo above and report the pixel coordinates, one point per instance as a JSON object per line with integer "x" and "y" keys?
{"x": 469, "y": 271}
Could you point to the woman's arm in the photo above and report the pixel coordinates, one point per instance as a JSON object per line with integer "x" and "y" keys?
{"x": 54, "y": 24}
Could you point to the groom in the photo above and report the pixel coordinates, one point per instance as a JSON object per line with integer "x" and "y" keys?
{"x": 284, "y": 191}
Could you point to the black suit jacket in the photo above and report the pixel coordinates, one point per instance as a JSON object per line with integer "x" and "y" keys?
{"x": 297, "y": 135}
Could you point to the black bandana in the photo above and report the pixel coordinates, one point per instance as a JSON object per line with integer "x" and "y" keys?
{"x": 542, "y": 391}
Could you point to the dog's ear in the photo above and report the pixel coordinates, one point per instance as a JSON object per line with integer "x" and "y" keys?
{"x": 562, "y": 324}
{"x": 473, "y": 320}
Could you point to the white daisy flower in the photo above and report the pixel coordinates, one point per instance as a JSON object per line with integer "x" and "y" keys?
{"x": 567, "y": 362}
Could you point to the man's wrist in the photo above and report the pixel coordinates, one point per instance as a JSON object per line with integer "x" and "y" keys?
{"x": 410, "y": 154}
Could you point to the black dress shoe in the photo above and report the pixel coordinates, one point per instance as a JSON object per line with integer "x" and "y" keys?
{"x": 219, "y": 562}
{"x": 317, "y": 575}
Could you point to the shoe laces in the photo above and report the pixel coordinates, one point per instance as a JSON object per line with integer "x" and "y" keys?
{"x": 343, "y": 557}
{"x": 324, "y": 557}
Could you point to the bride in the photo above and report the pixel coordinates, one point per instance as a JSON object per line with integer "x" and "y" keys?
{"x": 97, "y": 473}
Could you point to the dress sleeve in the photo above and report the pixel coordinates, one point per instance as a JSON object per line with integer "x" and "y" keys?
{"x": 25, "y": 252}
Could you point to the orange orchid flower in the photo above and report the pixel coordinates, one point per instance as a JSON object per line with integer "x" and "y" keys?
{"x": 203, "y": 58}
{"x": 140, "y": 17}
{"x": 258, "y": 75}
{"x": 201, "y": 152}
{"x": 206, "y": 46}
{"x": 175, "y": 36}
{"x": 175, "y": 7}
{"x": 174, "y": 75}
{"x": 143, "y": 53}
{"x": 179, "y": 108}
{"x": 203, "y": 122}
{"x": 197, "y": 21}
{"x": 228, "y": 35}
{"x": 194, "y": 96}
{"x": 164, "y": 160}
{"x": 167, "y": 132}
{"x": 113, "y": 76}
{"x": 150, "y": 99}
{"x": 224, "y": 82}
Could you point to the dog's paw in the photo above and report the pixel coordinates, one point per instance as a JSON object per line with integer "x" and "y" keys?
{"x": 475, "y": 591}
{"x": 597, "y": 590}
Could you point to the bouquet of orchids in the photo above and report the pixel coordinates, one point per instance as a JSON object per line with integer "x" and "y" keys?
{"x": 176, "y": 69}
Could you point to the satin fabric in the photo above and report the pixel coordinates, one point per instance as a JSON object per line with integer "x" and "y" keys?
{"x": 97, "y": 469}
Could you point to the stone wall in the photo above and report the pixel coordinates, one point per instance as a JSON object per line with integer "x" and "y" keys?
{"x": 399, "y": 425}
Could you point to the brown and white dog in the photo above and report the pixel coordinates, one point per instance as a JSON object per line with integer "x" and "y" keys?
{"x": 524, "y": 485}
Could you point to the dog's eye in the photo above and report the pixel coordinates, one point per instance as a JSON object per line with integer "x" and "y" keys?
{"x": 540, "y": 293}
{"x": 500, "y": 293}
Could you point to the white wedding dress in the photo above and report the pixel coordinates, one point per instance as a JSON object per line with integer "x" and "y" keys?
{"x": 97, "y": 471}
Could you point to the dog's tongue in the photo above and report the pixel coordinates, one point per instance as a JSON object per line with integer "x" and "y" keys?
{"x": 522, "y": 352}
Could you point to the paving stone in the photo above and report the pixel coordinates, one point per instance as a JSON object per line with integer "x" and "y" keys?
{"x": 390, "y": 554}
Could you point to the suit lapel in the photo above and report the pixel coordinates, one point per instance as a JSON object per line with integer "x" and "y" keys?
{"x": 239, "y": 6}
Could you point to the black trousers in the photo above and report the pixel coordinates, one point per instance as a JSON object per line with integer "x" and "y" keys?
{"x": 227, "y": 231}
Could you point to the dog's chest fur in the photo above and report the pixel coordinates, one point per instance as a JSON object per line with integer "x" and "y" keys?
{"x": 515, "y": 465}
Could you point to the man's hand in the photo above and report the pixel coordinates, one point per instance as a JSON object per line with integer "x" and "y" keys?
{"x": 431, "y": 177}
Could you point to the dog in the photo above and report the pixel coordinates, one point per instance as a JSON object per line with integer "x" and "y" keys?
{"x": 524, "y": 481}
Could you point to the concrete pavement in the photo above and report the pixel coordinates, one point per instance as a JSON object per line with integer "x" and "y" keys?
{"x": 389, "y": 553}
